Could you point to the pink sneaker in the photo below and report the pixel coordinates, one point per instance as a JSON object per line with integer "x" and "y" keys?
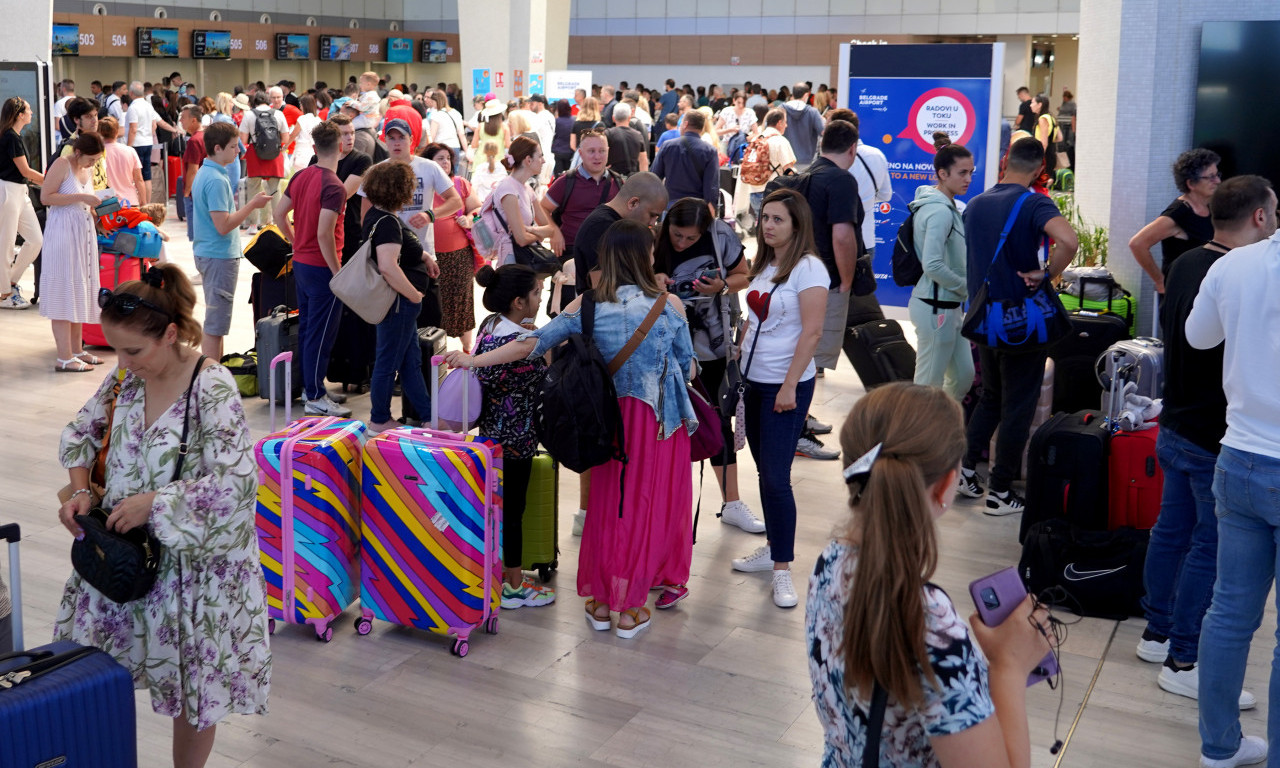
{"x": 671, "y": 596}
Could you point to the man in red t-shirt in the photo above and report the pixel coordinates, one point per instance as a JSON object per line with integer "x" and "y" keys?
{"x": 318, "y": 201}
{"x": 192, "y": 157}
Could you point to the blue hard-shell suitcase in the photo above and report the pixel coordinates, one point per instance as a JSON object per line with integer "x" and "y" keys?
{"x": 63, "y": 704}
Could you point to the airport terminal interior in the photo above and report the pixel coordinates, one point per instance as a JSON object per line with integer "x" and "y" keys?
{"x": 723, "y": 678}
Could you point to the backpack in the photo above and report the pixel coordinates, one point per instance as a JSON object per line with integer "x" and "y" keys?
{"x": 756, "y": 168}
{"x": 577, "y": 417}
{"x": 1090, "y": 573}
{"x": 572, "y": 176}
{"x": 907, "y": 269}
{"x": 794, "y": 181}
{"x": 266, "y": 135}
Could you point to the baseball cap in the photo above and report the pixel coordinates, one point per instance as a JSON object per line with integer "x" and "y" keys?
{"x": 398, "y": 125}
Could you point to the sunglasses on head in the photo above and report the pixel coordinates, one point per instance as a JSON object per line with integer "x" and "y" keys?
{"x": 125, "y": 303}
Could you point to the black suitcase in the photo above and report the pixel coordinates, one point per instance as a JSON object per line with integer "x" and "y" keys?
{"x": 432, "y": 341}
{"x": 1075, "y": 382}
{"x": 267, "y": 293}
{"x": 880, "y": 353}
{"x": 351, "y": 359}
{"x": 1067, "y": 471}
{"x": 862, "y": 309}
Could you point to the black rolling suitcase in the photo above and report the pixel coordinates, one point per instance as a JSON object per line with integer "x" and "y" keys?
{"x": 267, "y": 293}
{"x": 1067, "y": 472}
{"x": 432, "y": 341}
{"x": 1075, "y": 381}
{"x": 351, "y": 359}
{"x": 880, "y": 353}
{"x": 62, "y": 704}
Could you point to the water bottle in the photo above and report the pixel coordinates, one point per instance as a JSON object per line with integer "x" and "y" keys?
{"x": 483, "y": 235}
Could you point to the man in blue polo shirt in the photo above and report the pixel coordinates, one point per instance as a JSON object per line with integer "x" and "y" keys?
{"x": 216, "y": 227}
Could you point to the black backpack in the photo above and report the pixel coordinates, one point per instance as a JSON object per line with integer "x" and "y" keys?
{"x": 570, "y": 178}
{"x": 907, "y": 269}
{"x": 578, "y": 419}
{"x": 794, "y": 181}
{"x": 266, "y": 135}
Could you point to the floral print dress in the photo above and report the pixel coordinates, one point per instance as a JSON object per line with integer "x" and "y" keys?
{"x": 510, "y": 392}
{"x": 199, "y": 640}
{"x": 961, "y": 702}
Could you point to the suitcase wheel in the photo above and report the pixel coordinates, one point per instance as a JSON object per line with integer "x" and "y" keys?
{"x": 491, "y": 626}
{"x": 325, "y": 636}
{"x": 363, "y": 626}
{"x": 271, "y": 626}
{"x": 460, "y": 648}
{"x": 544, "y": 573}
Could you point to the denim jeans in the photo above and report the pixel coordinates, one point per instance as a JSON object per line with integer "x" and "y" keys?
{"x": 772, "y": 438}
{"x": 187, "y": 210}
{"x": 398, "y": 352}
{"x": 1011, "y": 386}
{"x": 1246, "y": 487}
{"x": 1182, "y": 558}
{"x": 319, "y": 313}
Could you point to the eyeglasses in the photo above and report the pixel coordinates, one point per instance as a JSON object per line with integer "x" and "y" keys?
{"x": 126, "y": 303}
{"x": 1210, "y": 177}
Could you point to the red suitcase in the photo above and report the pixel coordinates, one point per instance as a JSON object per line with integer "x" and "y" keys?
{"x": 174, "y": 169}
{"x": 130, "y": 269}
{"x": 1135, "y": 480}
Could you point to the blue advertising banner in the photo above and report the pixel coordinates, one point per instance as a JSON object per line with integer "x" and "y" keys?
{"x": 479, "y": 82}
{"x": 899, "y": 114}
{"x": 536, "y": 84}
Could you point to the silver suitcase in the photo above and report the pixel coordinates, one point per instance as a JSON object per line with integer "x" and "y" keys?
{"x": 1139, "y": 361}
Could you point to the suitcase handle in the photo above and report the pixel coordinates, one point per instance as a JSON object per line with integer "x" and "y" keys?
{"x": 13, "y": 534}
{"x": 288, "y": 386}
{"x": 436, "y": 362}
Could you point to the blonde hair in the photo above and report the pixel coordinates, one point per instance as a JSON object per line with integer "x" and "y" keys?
{"x": 590, "y": 110}
{"x": 517, "y": 123}
{"x": 921, "y": 435}
{"x": 154, "y": 211}
{"x": 225, "y": 103}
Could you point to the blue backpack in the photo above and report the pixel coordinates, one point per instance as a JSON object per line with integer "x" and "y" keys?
{"x": 736, "y": 147}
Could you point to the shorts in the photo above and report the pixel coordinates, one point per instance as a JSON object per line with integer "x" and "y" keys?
{"x": 833, "y": 326}
{"x": 144, "y": 155}
{"x": 218, "y": 277}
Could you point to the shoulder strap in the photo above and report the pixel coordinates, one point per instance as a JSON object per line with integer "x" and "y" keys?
{"x": 870, "y": 175}
{"x": 186, "y": 419}
{"x": 623, "y": 354}
{"x": 875, "y": 724}
{"x": 746, "y": 368}
{"x": 588, "y": 313}
{"x": 1008, "y": 225}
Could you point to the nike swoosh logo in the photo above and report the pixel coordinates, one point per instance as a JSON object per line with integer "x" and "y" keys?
{"x": 1070, "y": 573}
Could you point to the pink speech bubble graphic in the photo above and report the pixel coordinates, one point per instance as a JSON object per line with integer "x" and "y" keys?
{"x": 939, "y": 109}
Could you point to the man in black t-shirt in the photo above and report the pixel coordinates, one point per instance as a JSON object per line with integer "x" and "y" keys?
{"x": 351, "y": 167}
{"x": 1011, "y": 377}
{"x": 626, "y": 145}
{"x": 642, "y": 198}
{"x": 1026, "y": 120}
{"x": 1182, "y": 557}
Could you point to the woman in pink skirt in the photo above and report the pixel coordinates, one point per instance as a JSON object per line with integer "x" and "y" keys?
{"x": 638, "y": 531}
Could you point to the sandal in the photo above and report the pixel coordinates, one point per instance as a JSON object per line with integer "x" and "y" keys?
{"x": 593, "y": 616}
{"x": 74, "y": 365}
{"x": 88, "y": 357}
{"x": 671, "y": 594}
{"x": 637, "y": 625}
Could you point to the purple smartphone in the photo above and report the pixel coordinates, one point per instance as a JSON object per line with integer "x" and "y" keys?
{"x": 995, "y": 597}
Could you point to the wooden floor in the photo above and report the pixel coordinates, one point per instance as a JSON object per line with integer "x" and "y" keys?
{"x": 721, "y": 680}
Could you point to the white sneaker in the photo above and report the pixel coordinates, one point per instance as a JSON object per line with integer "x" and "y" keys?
{"x": 326, "y": 407}
{"x": 1186, "y": 682}
{"x": 739, "y": 514}
{"x": 1253, "y": 750}
{"x": 784, "y": 592}
{"x": 1153, "y": 651}
{"x": 579, "y": 520}
{"x": 1000, "y": 504}
{"x": 760, "y": 560}
{"x": 337, "y": 397}
{"x": 14, "y": 301}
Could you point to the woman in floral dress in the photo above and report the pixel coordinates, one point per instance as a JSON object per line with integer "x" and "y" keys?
{"x": 198, "y": 641}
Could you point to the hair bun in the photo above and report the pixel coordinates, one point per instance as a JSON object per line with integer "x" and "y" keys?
{"x": 486, "y": 276}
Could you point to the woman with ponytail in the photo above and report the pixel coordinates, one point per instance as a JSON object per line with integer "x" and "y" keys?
{"x": 874, "y": 622}
{"x": 198, "y": 640}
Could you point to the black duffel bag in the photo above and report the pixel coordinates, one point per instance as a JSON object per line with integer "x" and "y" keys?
{"x": 1097, "y": 573}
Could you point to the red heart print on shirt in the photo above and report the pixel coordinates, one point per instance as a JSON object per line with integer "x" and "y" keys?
{"x": 759, "y": 304}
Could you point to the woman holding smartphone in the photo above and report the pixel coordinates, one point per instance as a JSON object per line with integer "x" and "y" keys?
{"x": 946, "y": 704}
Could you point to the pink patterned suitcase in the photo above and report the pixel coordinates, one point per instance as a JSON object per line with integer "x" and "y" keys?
{"x": 431, "y": 519}
{"x": 308, "y": 518}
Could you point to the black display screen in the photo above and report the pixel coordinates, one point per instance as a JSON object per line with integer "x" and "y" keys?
{"x": 1234, "y": 107}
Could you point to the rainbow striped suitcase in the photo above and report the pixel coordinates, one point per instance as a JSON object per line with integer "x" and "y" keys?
{"x": 310, "y": 527}
{"x": 431, "y": 525}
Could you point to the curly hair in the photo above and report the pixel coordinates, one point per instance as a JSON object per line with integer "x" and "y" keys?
{"x": 1191, "y": 164}
{"x": 389, "y": 186}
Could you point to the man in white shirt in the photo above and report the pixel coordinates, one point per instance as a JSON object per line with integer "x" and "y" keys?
{"x": 142, "y": 120}
{"x": 871, "y": 170}
{"x": 544, "y": 124}
{"x": 757, "y": 97}
{"x": 1236, "y": 306}
{"x": 115, "y": 107}
{"x": 68, "y": 90}
{"x": 420, "y": 214}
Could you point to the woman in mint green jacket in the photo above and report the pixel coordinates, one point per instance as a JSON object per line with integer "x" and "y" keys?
{"x": 943, "y": 358}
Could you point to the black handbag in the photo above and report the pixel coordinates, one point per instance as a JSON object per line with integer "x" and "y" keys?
{"x": 1028, "y": 322}
{"x": 534, "y": 255}
{"x": 124, "y": 566}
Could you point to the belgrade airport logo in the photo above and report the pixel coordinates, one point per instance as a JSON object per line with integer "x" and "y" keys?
{"x": 940, "y": 109}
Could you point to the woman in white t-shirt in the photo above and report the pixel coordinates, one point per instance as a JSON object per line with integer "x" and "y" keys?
{"x": 786, "y": 302}
{"x": 304, "y": 148}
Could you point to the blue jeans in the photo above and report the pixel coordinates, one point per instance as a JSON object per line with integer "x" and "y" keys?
{"x": 319, "y": 312}
{"x": 398, "y": 352}
{"x": 757, "y": 200}
{"x": 187, "y": 208}
{"x": 1182, "y": 558}
{"x": 772, "y": 438}
{"x": 1245, "y": 487}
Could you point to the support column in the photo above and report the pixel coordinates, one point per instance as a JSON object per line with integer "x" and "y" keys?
{"x": 1017, "y": 69}
{"x": 503, "y": 35}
